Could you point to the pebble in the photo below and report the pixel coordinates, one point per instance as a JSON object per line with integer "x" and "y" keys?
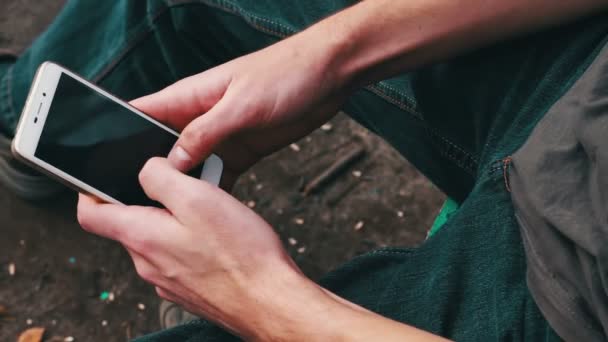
{"x": 111, "y": 296}
{"x": 251, "y": 204}
{"x": 141, "y": 306}
{"x": 68, "y": 339}
{"x": 259, "y": 187}
{"x": 54, "y": 322}
{"x": 359, "y": 225}
{"x": 357, "y": 173}
{"x": 327, "y": 127}
{"x": 29, "y": 321}
{"x": 400, "y": 213}
{"x": 104, "y": 323}
{"x": 295, "y": 147}
{"x": 280, "y": 211}
{"x": 301, "y": 250}
{"x": 22, "y": 242}
{"x": 292, "y": 241}
{"x": 253, "y": 177}
{"x": 11, "y": 269}
{"x": 299, "y": 221}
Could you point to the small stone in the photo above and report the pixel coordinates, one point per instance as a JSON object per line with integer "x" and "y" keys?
{"x": 357, "y": 173}
{"x": 280, "y": 211}
{"x": 54, "y": 322}
{"x": 141, "y": 306}
{"x": 111, "y": 296}
{"x": 400, "y": 213}
{"x": 359, "y": 225}
{"x": 29, "y": 321}
{"x": 68, "y": 339}
{"x": 251, "y": 204}
{"x": 259, "y": 186}
{"x": 292, "y": 241}
{"x": 327, "y": 127}
{"x": 302, "y": 249}
{"x": 22, "y": 242}
{"x": 299, "y": 221}
{"x": 253, "y": 177}
{"x": 104, "y": 323}
{"x": 11, "y": 269}
{"x": 295, "y": 147}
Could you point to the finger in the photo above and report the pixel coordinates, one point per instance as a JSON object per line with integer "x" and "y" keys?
{"x": 173, "y": 189}
{"x": 135, "y": 227}
{"x": 178, "y": 104}
{"x": 202, "y": 135}
{"x": 144, "y": 268}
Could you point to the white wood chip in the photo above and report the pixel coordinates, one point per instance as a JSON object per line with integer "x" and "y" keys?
{"x": 359, "y": 225}
{"x": 327, "y": 127}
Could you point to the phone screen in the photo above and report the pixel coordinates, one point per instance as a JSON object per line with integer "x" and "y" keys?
{"x": 100, "y": 142}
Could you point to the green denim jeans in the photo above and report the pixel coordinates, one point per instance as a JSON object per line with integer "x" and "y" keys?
{"x": 456, "y": 121}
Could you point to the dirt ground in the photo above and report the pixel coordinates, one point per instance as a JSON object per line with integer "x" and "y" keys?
{"x": 61, "y": 272}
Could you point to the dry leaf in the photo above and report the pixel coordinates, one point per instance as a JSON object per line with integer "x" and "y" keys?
{"x": 32, "y": 335}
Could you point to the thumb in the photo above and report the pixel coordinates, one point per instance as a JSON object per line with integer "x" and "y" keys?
{"x": 198, "y": 140}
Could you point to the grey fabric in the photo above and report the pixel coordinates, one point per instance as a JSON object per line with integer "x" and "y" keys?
{"x": 559, "y": 187}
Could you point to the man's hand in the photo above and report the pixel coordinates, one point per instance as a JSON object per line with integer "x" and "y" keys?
{"x": 206, "y": 251}
{"x": 249, "y": 107}
{"x": 216, "y": 258}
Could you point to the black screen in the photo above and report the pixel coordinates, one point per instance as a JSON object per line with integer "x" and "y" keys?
{"x": 100, "y": 142}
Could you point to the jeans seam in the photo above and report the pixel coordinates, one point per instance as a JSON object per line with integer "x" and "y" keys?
{"x": 467, "y": 161}
{"x": 130, "y": 44}
{"x": 230, "y": 7}
{"x": 8, "y": 94}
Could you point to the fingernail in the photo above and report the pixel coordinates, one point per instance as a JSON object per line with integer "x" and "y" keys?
{"x": 179, "y": 158}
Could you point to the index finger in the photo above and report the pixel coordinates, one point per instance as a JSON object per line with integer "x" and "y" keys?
{"x": 129, "y": 225}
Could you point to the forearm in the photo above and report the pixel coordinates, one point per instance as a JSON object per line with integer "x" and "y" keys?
{"x": 300, "y": 310}
{"x": 376, "y": 39}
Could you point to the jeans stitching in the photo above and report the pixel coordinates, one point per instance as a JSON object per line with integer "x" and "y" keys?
{"x": 129, "y": 45}
{"x": 467, "y": 161}
{"x": 9, "y": 95}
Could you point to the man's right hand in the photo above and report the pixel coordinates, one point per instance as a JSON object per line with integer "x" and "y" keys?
{"x": 249, "y": 107}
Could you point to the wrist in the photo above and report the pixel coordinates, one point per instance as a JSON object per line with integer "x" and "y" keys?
{"x": 286, "y": 306}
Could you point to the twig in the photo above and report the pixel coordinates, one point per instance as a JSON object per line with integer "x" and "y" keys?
{"x": 334, "y": 170}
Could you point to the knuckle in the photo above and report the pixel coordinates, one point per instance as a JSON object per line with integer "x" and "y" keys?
{"x": 192, "y": 135}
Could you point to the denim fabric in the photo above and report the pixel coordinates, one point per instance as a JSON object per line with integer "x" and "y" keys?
{"x": 456, "y": 121}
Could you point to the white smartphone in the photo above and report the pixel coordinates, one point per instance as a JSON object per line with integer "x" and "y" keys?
{"x": 92, "y": 141}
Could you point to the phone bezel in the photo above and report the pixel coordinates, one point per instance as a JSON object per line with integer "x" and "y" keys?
{"x": 33, "y": 119}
